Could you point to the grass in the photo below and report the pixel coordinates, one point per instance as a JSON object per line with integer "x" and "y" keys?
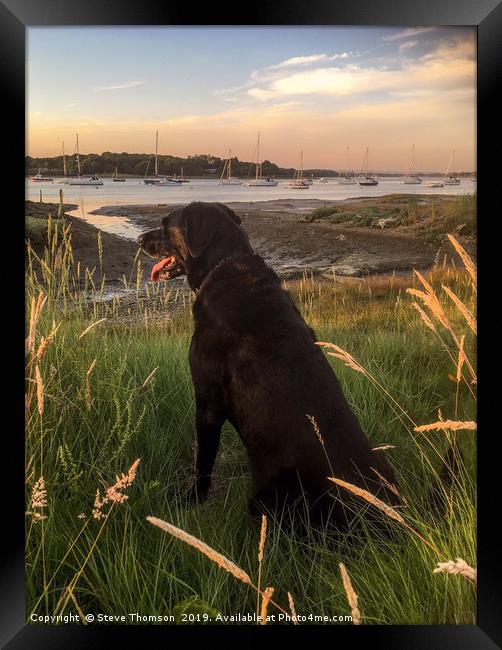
{"x": 122, "y": 391}
{"x": 428, "y": 216}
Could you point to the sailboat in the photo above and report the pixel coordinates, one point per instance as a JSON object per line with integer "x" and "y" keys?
{"x": 259, "y": 180}
{"x": 156, "y": 179}
{"x": 412, "y": 179}
{"x": 226, "y": 177}
{"x": 348, "y": 178}
{"x": 449, "y": 177}
{"x": 83, "y": 180}
{"x": 64, "y": 180}
{"x": 181, "y": 178}
{"x": 365, "y": 178}
{"x": 298, "y": 182}
{"x": 116, "y": 178}
{"x": 39, "y": 178}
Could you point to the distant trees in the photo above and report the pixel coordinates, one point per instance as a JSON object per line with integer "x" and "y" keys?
{"x": 139, "y": 164}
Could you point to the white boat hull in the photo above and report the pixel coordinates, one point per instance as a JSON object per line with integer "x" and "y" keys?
{"x": 435, "y": 184}
{"x": 412, "y": 181}
{"x": 368, "y": 181}
{"x": 231, "y": 181}
{"x": 263, "y": 183}
{"x": 95, "y": 182}
{"x": 347, "y": 181}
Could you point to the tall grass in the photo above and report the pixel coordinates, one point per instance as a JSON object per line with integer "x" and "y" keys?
{"x": 108, "y": 386}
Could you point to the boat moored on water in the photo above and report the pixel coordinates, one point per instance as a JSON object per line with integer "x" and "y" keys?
{"x": 412, "y": 179}
{"x": 435, "y": 184}
{"x": 260, "y": 180}
{"x": 226, "y": 177}
{"x": 39, "y": 178}
{"x": 116, "y": 178}
{"x": 365, "y": 178}
{"x": 348, "y": 178}
{"x": 450, "y": 178}
{"x": 94, "y": 181}
{"x": 298, "y": 182}
{"x": 165, "y": 181}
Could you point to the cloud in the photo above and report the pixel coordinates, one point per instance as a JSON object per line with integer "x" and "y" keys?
{"x": 272, "y": 72}
{"x": 451, "y": 65}
{"x": 307, "y": 60}
{"x": 68, "y": 106}
{"x": 408, "y": 33}
{"x": 407, "y": 45}
{"x": 129, "y": 84}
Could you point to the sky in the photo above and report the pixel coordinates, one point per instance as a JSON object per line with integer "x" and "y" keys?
{"x": 208, "y": 89}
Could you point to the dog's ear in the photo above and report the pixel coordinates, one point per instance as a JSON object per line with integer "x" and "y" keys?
{"x": 230, "y": 213}
{"x": 201, "y": 223}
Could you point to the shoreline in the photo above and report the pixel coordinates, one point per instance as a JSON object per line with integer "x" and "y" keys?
{"x": 278, "y": 230}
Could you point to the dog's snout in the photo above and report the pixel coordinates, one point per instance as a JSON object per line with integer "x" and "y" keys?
{"x": 141, "y": 239}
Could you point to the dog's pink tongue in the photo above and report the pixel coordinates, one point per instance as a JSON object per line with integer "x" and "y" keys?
{"x": 159, "y": 266}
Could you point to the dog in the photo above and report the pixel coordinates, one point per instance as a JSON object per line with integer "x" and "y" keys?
{"x": 255, "y": 362}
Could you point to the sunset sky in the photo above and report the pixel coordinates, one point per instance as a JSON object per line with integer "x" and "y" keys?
{"x": 206, "y": 89}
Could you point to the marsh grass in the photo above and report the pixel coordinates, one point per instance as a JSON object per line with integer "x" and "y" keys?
{"x": 108, "y": 383}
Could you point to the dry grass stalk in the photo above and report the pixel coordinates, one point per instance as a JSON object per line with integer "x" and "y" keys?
{"x": 263, "y": 537}
{"x": 261, "y": 546}
{"x": 40, "y": 390}
{"x": 424, "y": 316}
{"x": 383, "y": 447}
{"x": 466, "y": 260}
{"x": 351, "y": 594}
{"x": 292, "y": 608}
{"x": 315, "y": 426}
{"x": 387, "y": 483}
{"x": 431, "y": 301}
{"x": 38, "y": 500}
{"x": 149, "y": 378}
{"x": 469, "y": 318}
{"x": 91, "y": 327}
{"x": 45, "y": 342}
{"x": 266, "y": 598}
{"x": 343, "y": 355}
{"x": 370, "y": 498}
{"x": 448, "y": 425}
{"x": 209, "y": 552}
{"x": 35, "y": 311}
{"x": 114, "y": 493}
{"x": 457, "y": 567}
{"x": 461, "y": 359}
{"x": 88, "y": 400}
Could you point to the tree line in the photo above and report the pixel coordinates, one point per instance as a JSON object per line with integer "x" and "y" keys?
{"x": 141, "y": 164}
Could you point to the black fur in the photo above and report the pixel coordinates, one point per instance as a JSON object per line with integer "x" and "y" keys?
{"x": 254, "y": 362}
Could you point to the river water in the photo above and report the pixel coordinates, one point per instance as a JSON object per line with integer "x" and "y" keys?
{"x": 135, "y": 192}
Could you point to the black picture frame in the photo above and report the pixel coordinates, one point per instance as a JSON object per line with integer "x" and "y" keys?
{"x": 15, "y": 17}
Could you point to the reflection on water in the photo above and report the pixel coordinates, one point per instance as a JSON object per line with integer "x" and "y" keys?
{"x": 114, "y": 224}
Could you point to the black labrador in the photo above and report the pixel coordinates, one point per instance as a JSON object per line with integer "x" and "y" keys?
{"x": 254, "y": 362}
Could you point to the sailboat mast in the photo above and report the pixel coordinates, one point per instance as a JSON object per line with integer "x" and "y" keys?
{"x": 64, "y": 161}
{"x": 78, "y": 158}
{"x": 301, "y": 165}
{"x": 412, "y": 157}
{"x": 229, "y": 162}
{"x": 347, "y": 167}
{"x": 258, "y": 155}
{"x": 156, "y": 152}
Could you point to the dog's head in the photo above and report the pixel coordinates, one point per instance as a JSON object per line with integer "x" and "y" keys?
{"x": 193, "y": 240}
